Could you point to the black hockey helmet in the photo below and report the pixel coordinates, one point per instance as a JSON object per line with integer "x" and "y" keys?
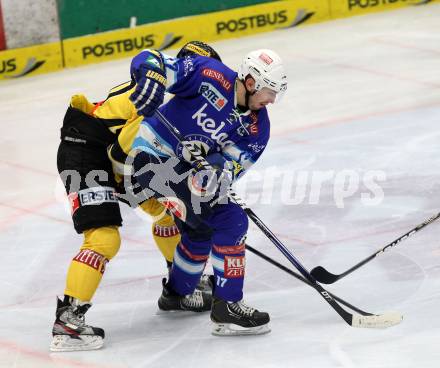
{"x": 198, "y": 48}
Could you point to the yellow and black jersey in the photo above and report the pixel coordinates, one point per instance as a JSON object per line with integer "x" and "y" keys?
{"x": 119, "y": 110}
{"x": 119, "y": 116}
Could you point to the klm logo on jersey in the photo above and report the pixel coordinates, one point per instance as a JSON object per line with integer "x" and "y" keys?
{"x": 210, "y": 127}
{"x": 212, "y": 94}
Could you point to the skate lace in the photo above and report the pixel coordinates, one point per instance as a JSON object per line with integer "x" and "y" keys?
{"x": 204, "y": 282}
{"x": 204, "y": 279}
{"x": 241, "y": 309}
{"x": 193, "y": 300}
{"x": 76, "y": 318}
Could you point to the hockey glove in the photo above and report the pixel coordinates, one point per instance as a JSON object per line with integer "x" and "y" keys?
{"x": 150, "y": 80}
{"x": 218, "y": 161}
{"x": 213, "y": 182}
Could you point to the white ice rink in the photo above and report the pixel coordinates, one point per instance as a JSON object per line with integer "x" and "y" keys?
{"x": 364, "y": 96}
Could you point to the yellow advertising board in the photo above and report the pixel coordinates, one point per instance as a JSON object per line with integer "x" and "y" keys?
{"x": 348, "y": 8}
{"x": 208, "y": 27}
{"x": 30, "y": 60}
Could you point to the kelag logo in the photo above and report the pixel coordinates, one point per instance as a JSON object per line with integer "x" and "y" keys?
{"x": 129, "y": 44}
{"x": 10, "y": 65}
{"x": 372, "y": 3}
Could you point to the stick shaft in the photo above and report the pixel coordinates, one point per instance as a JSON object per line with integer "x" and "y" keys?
{"x": 392, "y": 244}
{"x": 301, "y": 278}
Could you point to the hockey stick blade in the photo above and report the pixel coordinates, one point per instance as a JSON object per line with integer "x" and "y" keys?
{"x": 325, "y": 277}
{"x": 385, "y": 320}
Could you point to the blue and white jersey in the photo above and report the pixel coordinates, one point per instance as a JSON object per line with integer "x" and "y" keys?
{"x": 204, "y": 110}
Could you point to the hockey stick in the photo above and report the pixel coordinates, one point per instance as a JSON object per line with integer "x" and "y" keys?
{"x": 326, "y": 277}
{"x": 299, "y": 277}
{"x": 355, "y": 320}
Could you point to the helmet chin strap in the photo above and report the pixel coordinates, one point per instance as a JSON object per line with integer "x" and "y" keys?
{"x": 248, "y": 94}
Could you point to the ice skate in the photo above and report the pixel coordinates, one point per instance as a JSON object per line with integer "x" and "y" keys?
{"x": 70, "y": 333}
{"x": 206, "y": 283}
{"x": 236, "y": 318}
{"x": 198, "y": 301}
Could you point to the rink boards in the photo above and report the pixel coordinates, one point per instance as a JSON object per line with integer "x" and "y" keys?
{"x": 175, "y": 33}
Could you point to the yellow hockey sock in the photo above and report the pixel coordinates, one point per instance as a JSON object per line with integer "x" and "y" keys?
{"x": 165, "y": 232}
{"x": 87, "y": 267}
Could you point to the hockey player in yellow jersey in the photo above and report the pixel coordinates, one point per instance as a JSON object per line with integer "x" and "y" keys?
{"x": 96, "y": 139}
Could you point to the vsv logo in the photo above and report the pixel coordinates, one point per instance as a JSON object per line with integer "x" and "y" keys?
{"x": 209, "y": 126}
{"x": 212, "y": 94}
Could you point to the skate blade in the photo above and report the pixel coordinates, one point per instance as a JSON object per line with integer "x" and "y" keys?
{"x": 67, "y": 343}
{"x": 230, "y": 329}
{"x": 164, "y": 310}
{"x": 160, "y": 311}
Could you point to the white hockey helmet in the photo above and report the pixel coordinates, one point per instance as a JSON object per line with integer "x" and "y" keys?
{"x": 266, "y": 68}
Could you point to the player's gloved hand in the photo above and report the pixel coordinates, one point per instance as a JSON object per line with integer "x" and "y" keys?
{"x": 212, "y": 181}
{"x": 218, "y": 161}
{"x": 224, "y": 168}
{"x": 150, "y": 80}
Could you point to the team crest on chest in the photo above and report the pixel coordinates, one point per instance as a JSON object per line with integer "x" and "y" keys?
{"x": 198, "y": 141}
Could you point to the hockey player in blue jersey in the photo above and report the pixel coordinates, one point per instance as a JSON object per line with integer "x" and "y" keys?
{"x": 224, "y": 113}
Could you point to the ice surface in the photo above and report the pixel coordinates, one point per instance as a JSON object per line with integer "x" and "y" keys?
{"x": 364, "y": 96}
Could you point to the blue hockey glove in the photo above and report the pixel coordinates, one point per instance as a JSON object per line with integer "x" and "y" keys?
{"x": 210, "y": 182}
{"x": 150, "y": 88}
{"x": 218, "y": 161}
